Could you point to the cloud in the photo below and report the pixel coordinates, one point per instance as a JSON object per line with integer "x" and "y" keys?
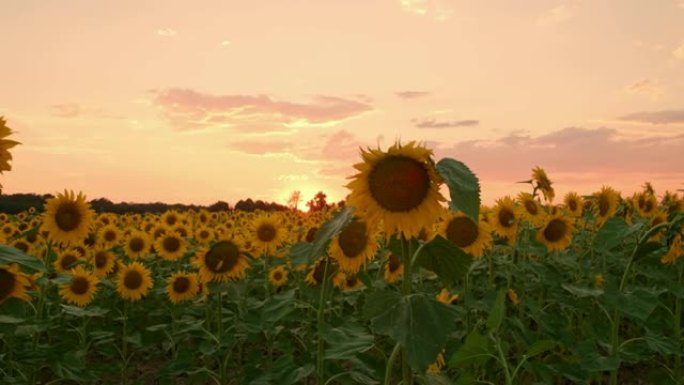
{"x": 68, "y": 110}
{"x": 166, "y": 32}
{"x": 226, "y": 43}
{"x": 432, "y": 123}
{"x": 655, "y": 117}
{"x": 411, "y": 94}
{"x": 645, "y": 87}
{"x": 581, "y": 152}
{"x": 189, "y": 109}
{"x": 557, "y": 15}
{"x": 679, "y": 52}
{"x": 437, "y": 9}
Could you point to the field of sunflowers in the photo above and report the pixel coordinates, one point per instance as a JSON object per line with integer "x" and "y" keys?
{"x": 399, "y": 285}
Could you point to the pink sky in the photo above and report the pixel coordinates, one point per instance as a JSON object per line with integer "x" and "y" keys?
{"x": 196, "y": 102}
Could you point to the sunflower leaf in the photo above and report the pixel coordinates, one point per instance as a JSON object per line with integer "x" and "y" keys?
{"x": 496, "y": 315}
{"x": 464, "y": 187}
{"x": 9, "y": 254}
{"x": 444, "y": 258}
{"x": 421, "y": 324}
{"x": 329, "y": 230}
{"x": 346, "y": 341}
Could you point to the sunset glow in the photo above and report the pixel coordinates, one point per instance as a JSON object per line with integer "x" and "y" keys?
{"x": 185, "y": 102}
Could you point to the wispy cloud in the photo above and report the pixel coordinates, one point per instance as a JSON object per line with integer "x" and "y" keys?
{"x": 432, "y": 123}
{"x": 412, "y": 94}
{"x": 645, "y": 87}
{"x": 439, "y": 10}
{"x": 655, "y": 117}
{"x": 556, "y": 15}
{"x": 226, "y": 43}
{"x": 678, "y": 53}
{"x": 189, "y": 109}
{"x": 67, "y": 110}
{"x": 166, "y": 32}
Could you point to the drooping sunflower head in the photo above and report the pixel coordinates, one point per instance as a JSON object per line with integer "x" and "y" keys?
{"x": 170, "y": 246}
{"x": 556, "y": 232}
{"x": 278, "y": 276}
{"x": 67, "y": 218}
{"x": 394, "y": 268}
{"x": 182, "y": 286}
{"x": 645, "y": 204}
{"x": 398, "y": 188}
{"x": 5, "y": 145}
{"x": 543, "y": 183}
{"x": 81, "y": 289}
{"x": 267, "y": 233}
{"x": 137, "y": 244}
{"x": 473, "y": 238}
{"x": 354, "y": 246}
{"x": 504, "y": 218}
{"x": 605, "y": 204}
{"x": 224, "y": 260}
{"x": 133, "y": 281}
{"x": 13, "y": 283}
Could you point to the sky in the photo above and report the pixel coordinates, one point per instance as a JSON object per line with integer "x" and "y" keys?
{"x": 195, "y": 102}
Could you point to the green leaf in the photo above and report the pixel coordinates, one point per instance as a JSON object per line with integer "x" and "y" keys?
{"x": 379, "y": 302}
{"x": 93, "y": 311}
{"x": 540, "y": 347}
{"x": 9, "y": 254}
{"x": 421, "y": 324}
{"x": 277, "y": 307}
{"x": 8, "y": 319}
{"x": 496, "y": 315}
{"x": 647, "y": 248}
{"x": 662, "y": 344}
{"x": 464, "y": 187}
{"x": 611, "y": 234}
{"x": 329, "y": 230}
{"x": 300, "y": 253}
{"x": 444, "y": 258}
{"x": 477, "y": 350}
{"x": 582, "y": 291}
{"x": 346, "y": 341}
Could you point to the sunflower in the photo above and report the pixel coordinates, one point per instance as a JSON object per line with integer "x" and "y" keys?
{"x": 67, "y": 218}
{"x": 203, "y": 217}
{"x": 673, "y": 253}
{"x": 399, "y": 188}
{"x": 605, "y": 204}
{"x": 346, "y": 282}
{"x": 170, "y": 218}
{"x": 354, "y": 246}
{"x": 133, "y": 281}
{"x": 394, "y": 269}
{"x": 204, "y": 235}
{"x": 513, "y": 297}
{"x": 82, "y": 288}
{"x": 137, "y": 244}
{"x": 556, "y": 232}
{"x": 23, "y": 245}
{"x": 5, "y": 145}
{"x": 278, "y": 276}
{"x": 472, "y": 237}
{"x": 574, "y": 204}
{"x": 447, "y": 298}
{"x": 267, "y": 236}
{"x": 317, "y": 271}
{"x": 103, "y": 262}
{"x": 504, "y": 218}
{"x": 109, "y": 235}
{"x": 13, "y": 283}
{"x": 182, "y": 286}
{"x": 223, "y": 261}
{"x": 436, "y": 367}
{"x": 170, "y": 246}
{"x": 645, "y": 204}
{"x": 529, "y": 208}
{"x": 543, "y": 183}
{"x": 67, "y": 260}
{"x": 658, "y": 218}
{"x": 599, "y": 281}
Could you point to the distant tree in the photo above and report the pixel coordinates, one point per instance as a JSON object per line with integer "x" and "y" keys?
{"x": 318, "y": 202}
{"x": 294, "y": 199}
{"x": 219, "y": 206}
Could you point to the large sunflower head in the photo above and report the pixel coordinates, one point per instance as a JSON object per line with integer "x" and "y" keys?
{"x": 399, "y": 188}
{"x": 133, "y": 281}
{"x": 267, "y": 234}
{"x": 13, "y": 283}
{"x": 170, "y": 246}
{"x": 543, "y": 183}
{"x": 574, "y": 204}
{"x": 137, "y": 244}
{"x": 354, "y": 246}
{"x": 605, "y": 204}
{"x": 224, "y": 260}
{"x": 81, "y": 289}
{"x": 473, "y": 238}
{"x": 67, "y": 218}
{"x": 556, "y": 232}
{"x": 182, "y": 286}
{"x": 504, "y": 218}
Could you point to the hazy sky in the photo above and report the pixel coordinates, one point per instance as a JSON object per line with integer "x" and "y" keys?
{"x": 195, "y": 102}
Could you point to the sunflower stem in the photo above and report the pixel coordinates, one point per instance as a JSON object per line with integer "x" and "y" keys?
{"x": 319, "y": 328}
{"x": 124, "y": 347}
{"x": 390, "y": 363}
{"x": 678, "y": 331}
{"x": 219, "y": 311}
{"x": 406, "y": 291}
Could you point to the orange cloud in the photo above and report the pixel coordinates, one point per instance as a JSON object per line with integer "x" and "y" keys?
{"x": 189, "y": 109}
{"x": 656, "y": 117}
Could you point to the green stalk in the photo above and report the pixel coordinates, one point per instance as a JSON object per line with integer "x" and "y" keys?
{"x": 678, "y": 331}
{"x": 615, "y": 336}
{"x": 319, "y": 329}
{"x": 504, "y": 362}
{"x": 124, "y": 347}
{"x": 406, "y": 291}
{"x": 219, "y": 309}
{"x": 390, "y": 364}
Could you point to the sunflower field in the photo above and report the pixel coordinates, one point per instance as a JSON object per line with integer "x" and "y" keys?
{"x": 400, "y": 285}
